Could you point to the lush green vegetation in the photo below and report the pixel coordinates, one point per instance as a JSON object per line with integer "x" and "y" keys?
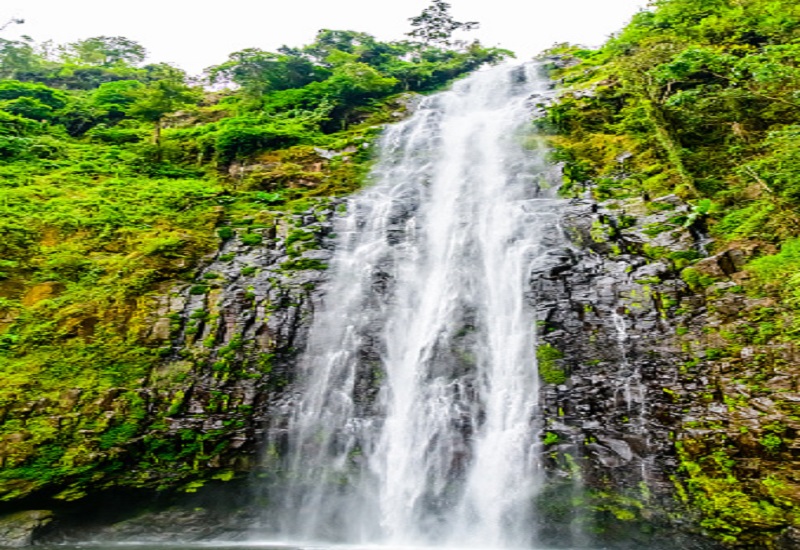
{"x": 115, "y": 178}
{"x": 698, "y": 98}
{"x": 701, "y": 98}
{"x": 549, "y": 369}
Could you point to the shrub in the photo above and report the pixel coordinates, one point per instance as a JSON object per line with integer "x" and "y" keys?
{"x": 225, "y": 233}
{"x": 251, "y": 239}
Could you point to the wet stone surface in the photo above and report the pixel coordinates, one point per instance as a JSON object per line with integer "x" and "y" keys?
{"x": 231, "y": 337}
{"x": 607, "y": 308}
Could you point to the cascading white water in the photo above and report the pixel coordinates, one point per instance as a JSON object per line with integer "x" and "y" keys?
{"x": 416, "y": 420}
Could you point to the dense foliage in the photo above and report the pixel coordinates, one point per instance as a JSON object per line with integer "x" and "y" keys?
{"x": 115, "y": 177}
{"x": 701, "y": 98}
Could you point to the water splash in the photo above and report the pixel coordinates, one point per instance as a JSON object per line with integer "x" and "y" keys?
{"x": 417, "y": 418}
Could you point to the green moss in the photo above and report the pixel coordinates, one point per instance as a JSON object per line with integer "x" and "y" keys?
{"x": 771, "y": 442}
{"x": 601, "y": 232}
{"x": 299, "y": 235}
{"x": 198, "y": 290}
{"x": 547, "y": 358}
{"x": 302, "y": 264}
{"x": 550, "y": 438}
{"x": 695, "y": 279}
{"x": 251, "y": 239}
{"x": 226, "y": 233}
{"x": 712, "y": 487}
{"x": 200, "y": 314}
{"x": 300, "y": 240}
{"x": 683, "y": 258}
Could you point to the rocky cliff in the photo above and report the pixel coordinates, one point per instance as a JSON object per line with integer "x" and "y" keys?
{"x": 225, "y": 343}
{"x": 612, "y": 362}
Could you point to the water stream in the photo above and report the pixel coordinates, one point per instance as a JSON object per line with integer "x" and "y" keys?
{"x": 416, "y": 419}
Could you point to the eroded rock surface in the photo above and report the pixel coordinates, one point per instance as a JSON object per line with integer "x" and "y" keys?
{"x": 231, "y": 337}
{"x": 20, "y": 529}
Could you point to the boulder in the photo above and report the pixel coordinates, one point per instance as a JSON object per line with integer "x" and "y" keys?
{"x": 20, "y": 529}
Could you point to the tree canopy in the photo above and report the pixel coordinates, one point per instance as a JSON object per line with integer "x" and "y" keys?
{"x": 105, "y": 51}
{"x": 435, "y": 25}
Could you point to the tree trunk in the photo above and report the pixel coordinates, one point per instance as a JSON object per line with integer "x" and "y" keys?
{"x": 157, "y": 139}
{"x": 671, "y": 148}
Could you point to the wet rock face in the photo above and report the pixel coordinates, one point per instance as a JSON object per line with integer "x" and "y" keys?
{"x": 230, "y": 338}
{"x": 739, "y": 435}
{"x": 661, "y": 371}
{"x": 19, "y": 530}
{"x": 604, "y": 308}
{"x": 175, "y": 525}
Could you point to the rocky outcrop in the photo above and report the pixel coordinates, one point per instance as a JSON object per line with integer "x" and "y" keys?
{"x": 174, "y": 525}
{"x": 610, "y": 361}
{"x": 211, "y": 357}
{"x": 19, "y": 530}
{"x": 230, "y": 337}
{"x": 738, "y": 440}
{"x": 665, "y": 388}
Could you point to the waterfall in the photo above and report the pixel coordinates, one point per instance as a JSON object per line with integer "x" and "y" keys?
{"x": 416, "y": 417}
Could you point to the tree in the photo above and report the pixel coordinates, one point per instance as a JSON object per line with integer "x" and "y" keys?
{"x": 13, "y": 89}
{"x": 162, "y": 97}
{"x": 28, "y": 107}
{"x": 105, "y": 51}
{"x": 112, "y": 99}
{"x": 354, "y": 82}
{"x": 435, "y": 25}
{"x": 17, "y": 56}
{"x": 258, "y": 72}
{"x": 31, "y": 101}
{"x": 363, "y": 46}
